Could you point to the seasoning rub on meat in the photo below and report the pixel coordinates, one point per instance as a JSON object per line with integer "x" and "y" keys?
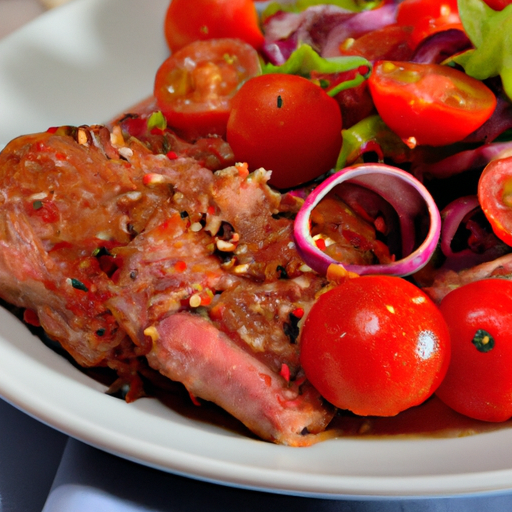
{"x": 139, "y": 262}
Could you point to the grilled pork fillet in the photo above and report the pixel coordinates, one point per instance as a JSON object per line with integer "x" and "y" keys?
{"x": 128, "y": 257}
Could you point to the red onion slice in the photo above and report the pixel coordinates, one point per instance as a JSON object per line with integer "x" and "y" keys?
{"x": 411, "y": 201}
{"x": 453, "y": 215}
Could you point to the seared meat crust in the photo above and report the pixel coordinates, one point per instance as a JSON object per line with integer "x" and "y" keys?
{"x": 128, "y": 257}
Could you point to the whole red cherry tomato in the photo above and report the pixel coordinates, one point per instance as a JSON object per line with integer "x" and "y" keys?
{"x": 194, "y": 87}
{"x": 187, "y": 21}
{"x": 286, "y": 124}
{"x": 429, "y": 104}
{"x": 495, "y": 197}
{"x": 375, "y": 345}
{"x": 479, "y": 381}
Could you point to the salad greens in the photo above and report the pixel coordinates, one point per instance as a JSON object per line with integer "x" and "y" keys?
{"x": 304, "y": 61}
{"x": 491, "y": 33}
{"x": 302, "y": 5}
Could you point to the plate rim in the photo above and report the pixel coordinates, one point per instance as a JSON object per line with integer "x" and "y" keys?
{"x": 26, "y": 394}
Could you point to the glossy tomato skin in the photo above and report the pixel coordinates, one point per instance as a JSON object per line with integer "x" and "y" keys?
{"x": 187, "y": 21}
{"x": 195, "y": 86}
{"x": 452, "y": 104}
{"x": 427, "y": 17}
{"x": 287, "y": 125}
{"x": 495, "y": 197}
{"x": 411, "y": 11}
{"x": 375, "y": 345}
{"x": 479, "y": 381}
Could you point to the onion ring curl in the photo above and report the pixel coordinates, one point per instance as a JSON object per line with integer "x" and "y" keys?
{"x": 410, "y": 199}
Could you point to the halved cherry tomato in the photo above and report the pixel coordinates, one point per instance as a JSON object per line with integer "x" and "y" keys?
{"x": 411, "y": 11}
{"x": 187, "y": 21}
{"x": 479, "y": 381}
{"x": 286, "y": 124}
{"x": 427, "y": 17}
{"x": 426, "y": 28}
{"x": 194, "y": 87}
{"x": 387, "y": 43}
{"x": 375, "y": 345}
{"x": 429, "y": 104}
{"x": 495, "y": 197}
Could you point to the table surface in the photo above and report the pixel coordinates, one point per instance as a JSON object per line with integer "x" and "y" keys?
{"x": 44, "y": 470}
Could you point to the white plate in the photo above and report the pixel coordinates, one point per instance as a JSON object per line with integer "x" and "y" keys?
{"x": 84, "y": 63}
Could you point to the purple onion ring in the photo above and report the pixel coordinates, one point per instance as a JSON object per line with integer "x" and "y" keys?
{"x": 402, "y": 190}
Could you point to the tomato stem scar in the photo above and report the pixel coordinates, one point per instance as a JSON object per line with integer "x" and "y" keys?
{"x": 483, "y": 341}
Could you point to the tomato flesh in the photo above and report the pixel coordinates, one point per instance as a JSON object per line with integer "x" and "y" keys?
{"x": 187, "y": 21}
{"x": 479, "y": 382}
{"x": 287, "y": 125}
{"x": 427, "y": 17}
{"x": 375, "y": 345}
{"x": 495, "y": 197}
{"x": 194, "y": 87}
{"x": 429, "y": 104}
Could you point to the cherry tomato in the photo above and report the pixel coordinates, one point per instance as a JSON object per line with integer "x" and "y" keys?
{"x": 194, "y": 87}
{"x": 286, "y": 124}
{"x": 427, "y": 17}
{"x": 426, "y": 28}
{"x": 495, "y": 197}
{"x": 387, "y": 43}
{"x": 479, "y": 381}
{"x": 411, "y": 11}
{"x": 187, "y": 21}
{"x": 375, "y": 345}
{"x": 429, "y": 104}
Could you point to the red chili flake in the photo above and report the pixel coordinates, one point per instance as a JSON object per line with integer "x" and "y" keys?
{"x": 298, "y": 312}
{"x": 180, "y": 266}
{"x": 243, "y": 169}
{"x": 320, "y": 243}
{"x": 60, "y": 156}
{"x": 52, "y": 129}
{"x": 206, "y": 298}
{"x": 172, "y": 155}
{"x": 195, "y": 401}
{"x": 380, "y": 224}
{"x": 30, "y": 317}
{"x": 211, "y": 210}
{"x": 153, "y": 179}
{"x": 285, "y": 372}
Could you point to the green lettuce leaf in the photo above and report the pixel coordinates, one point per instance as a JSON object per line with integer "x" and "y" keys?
{"x": 371, "y": 134}
{"x": 305, "y": 61}
{"x": 302, "y": 5}
{"x": 491, "y": 33}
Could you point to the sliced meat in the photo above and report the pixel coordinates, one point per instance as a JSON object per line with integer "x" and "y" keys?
{"x": 448, "y": 280}
{"x": 189, "y": 349}
{"x": 103, "y": 239}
